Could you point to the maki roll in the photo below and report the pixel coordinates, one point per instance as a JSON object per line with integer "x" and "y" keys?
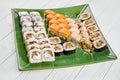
{"x": 54, "y": 40}
{"x": 25, "y": 19}
{"x": 39, "y": 29}
{"x": 23, "y": 14}
{"x": 41, "y": 35}
{"x": 96, "y": 35}
{"x": 45, "y": 46}
{"x": 85, "y": 16}
{"x": 34, "y": 13}
{"x": 69, "y": 20}
{"x": 43, "y": 41}
{"x": 74, "y": 30}
{"x": 92, "y": 28}
{"x": 54, "y": 29}
{"x": 48, "y": 55}
{"x": 35, "y": 56}
{"x": 99, "y": 45}
{"x": 64, "y": 33}
{"x": 69, "y": 48}
{"x": 27, "y": 24}
{"x": 73, "y": 25}
{"x": 36, "y": 18}
{"x": 76, "y": 37}
{"x": 27, "y": 29}
{"x": 88, "y": 22}
{"x": 38, "y": 24}
{"x": 33, "y": 46}
{"x": 58, "y": 49}
{"x": 28, "y": 35}
{"x": 31, "y": 41}
{"x": 86, "y": 44}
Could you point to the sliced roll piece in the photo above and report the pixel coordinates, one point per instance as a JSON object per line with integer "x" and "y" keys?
{"x": 69, "y": 48}
{"x": 96, "y": 35}
{"x": 23, "y": 13}
{"x": 45, "y": 46}
{"x": 100, "y": 45}
{"x": 88, "y": 22}
{"x": 38, "y": 24}
{"x": 39, "y": 29}
{"x": 27, "y": 29}
{"x": 31, "y": 41}
{"x": 43, "y": 41}
{"x": 48, "y": 55}
{"x": 33, "y": 13}
{"x": 27, "y": 24}
{"x": 85, "y": 16}
{"x": 92, "y": 29}
{"x": 25, "y": 19}
{"x": 58, "y": 49}
{"x": 54, "y": 40}
{"x": 35, "y": 56}
{"x": 41, "y": 35}
{"x": 33, "y": 46}
{"x": 36, "y": 18}
{"x": 28, "y": 35}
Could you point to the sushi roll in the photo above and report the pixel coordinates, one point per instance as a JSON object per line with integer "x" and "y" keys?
{"x": 43, "y": 41}
{"x": 48, "y": 55}
{"x": 35, "y": 56}
{"x": 64, "y": 33}
{"x": 41, "y": 35}
{"x": 96, "y": 35}
{"x": 72, "y": 25}
{"x": 85, "y": 16}
{"x": 70, "y": 20}
{"x": 88, "y": 22}
{"x": 28, "y": 35}
{"x": 34, "y": 13}
{"x": 58, "y": 49}
{"x": 39, "y": 29}
{"x": 92, "y": 29}
{"x": 45, "y": 46}
{"x": 23, "y": 14}
{"x": 31, "y": 41}
{"x": 62, "y": 25}
{"x": 26, "y": 29}
{"x": 36, "y": 18}
{"x": 25, "y": 19}
{"x": 76, "y": 37}
{"x": 99, "y": 45}
{"x": 74, "y": 30}
{"x": 69, "y": 48}
{"x": 27, "y": 24}
{"x": 54, "y": 40}
{"x": 38, "y": 24}
{"x": 33, "y": 46}
{"x": 54, "y": 29}
{"x": 86, "y": 44}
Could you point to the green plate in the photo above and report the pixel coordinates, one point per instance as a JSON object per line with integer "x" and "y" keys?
{"x": 79, "y": 58}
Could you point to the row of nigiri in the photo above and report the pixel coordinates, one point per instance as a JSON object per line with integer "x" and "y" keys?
{"x": 35, "y": 38}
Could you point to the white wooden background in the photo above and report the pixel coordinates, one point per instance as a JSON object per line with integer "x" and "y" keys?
{"x": 107, "y": 14}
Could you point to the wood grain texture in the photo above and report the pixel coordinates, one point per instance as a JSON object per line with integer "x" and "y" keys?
{"x": 106, "y": 13}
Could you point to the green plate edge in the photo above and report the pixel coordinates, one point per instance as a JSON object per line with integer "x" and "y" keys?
{"x": 79, "y": 58}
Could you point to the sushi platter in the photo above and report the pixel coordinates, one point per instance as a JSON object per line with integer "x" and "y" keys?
{"x": 61, "y": 37}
